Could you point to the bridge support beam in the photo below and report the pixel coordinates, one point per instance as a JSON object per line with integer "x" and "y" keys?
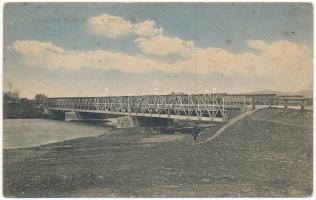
{"x": 126, "y": 122}
{"x": 72, "y": 116}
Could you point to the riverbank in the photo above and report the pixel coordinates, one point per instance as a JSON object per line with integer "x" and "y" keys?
{"x": 253, "y": 158}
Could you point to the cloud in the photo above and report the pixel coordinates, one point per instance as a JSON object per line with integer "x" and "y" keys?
{"x": 151, "y": 39}
{"x": 48, "y": 55}
{"x": 147, "y": 28}
{"x": 162, "y": 45}
{"x": 288, "y": 64}
{"x": 257, "y": 44}
{"x": 36, "y": 47}
{"x": 114, "y": 27}
{"x": 110, "y": 26}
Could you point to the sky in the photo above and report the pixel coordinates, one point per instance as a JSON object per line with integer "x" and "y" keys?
{"x": 85, "y": 49}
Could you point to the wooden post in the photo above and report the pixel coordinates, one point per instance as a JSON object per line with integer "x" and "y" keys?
{"x": 244, "y": 101}
{"x": 302, "y": 105}
{"x": 253, "y": 103}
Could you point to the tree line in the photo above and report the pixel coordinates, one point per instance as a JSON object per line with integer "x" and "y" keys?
{"x": 16, "y": 107}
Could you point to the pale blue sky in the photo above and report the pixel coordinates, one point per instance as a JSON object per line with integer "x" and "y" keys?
{"x": 210, "y": 25}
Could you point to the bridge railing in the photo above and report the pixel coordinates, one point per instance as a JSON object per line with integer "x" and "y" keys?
{"x": 285, "y": 102}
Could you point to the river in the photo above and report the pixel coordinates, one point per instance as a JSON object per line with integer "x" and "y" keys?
{"x": 24, "y": 133}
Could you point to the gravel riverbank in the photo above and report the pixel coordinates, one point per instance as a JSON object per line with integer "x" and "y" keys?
{"x": 263, "y": 155}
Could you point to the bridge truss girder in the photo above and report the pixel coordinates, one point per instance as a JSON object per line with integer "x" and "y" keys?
{"x": 197, "y": 106}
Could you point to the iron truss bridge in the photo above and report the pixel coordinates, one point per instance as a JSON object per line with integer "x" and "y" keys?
{"x": 202, "y": 107}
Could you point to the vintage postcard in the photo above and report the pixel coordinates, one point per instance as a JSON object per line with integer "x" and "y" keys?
{"x": 157, "y": 99}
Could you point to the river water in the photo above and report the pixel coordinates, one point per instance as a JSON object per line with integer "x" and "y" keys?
{"x": 23, "y": 133}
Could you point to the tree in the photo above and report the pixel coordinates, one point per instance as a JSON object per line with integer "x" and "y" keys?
{"x": 40, "y": 98}
{"x": 11, "y": 96}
